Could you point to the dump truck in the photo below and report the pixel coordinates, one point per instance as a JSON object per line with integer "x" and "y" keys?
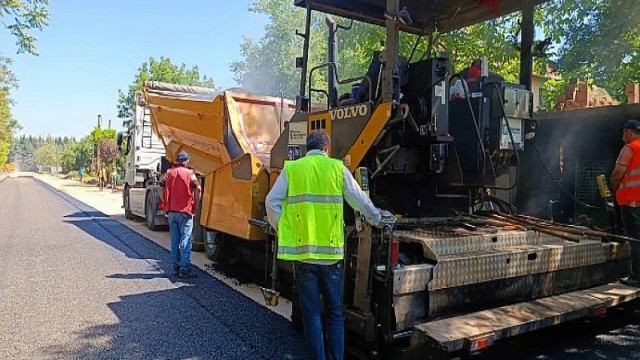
{"x": 458, "y": 269}
{"x": 228, "y": 136}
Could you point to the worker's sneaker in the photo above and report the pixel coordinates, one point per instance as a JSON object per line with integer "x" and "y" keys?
{"x": 188, "y": 274}
{"x": 175, "y": 271}
{"x": 631, "y": 281}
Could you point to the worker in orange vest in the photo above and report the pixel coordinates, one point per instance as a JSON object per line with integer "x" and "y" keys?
{"x": 625, "y": 180}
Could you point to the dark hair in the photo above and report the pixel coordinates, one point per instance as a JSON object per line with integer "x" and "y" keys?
{"x": 317, "y": 139}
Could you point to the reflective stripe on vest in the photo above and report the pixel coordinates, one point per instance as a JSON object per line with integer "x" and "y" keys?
{"x": 321, "y": 199}
{"x": 632, "y": 172}
{"x": 629, "y": 184}
{"x": 629, "y": 190}
{"x": 311, "y": 226}
{"x": 299, "y": 250}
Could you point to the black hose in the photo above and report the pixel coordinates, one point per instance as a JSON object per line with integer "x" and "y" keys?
{"x": 467, "y": 94}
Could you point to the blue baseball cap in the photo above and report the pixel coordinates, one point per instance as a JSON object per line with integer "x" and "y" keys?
{"x": 182, "y": 156}
{"x": 632, "y": 124}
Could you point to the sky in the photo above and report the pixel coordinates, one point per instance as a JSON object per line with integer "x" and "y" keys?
{"x": 93, "y": 48}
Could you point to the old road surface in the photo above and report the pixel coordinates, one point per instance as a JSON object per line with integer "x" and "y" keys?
{"x": 76, "y": 284}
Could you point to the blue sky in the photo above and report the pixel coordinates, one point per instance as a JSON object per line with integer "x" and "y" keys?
{"x": 93, "y": 48}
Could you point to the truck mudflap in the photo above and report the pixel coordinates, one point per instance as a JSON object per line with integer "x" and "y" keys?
{"x": 476, "y": 331}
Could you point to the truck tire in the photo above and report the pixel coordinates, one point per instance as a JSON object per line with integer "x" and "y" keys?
{"x": 126, "y": 203}
{"x": 213, "y": 244}
{"x": 150, "y": 213}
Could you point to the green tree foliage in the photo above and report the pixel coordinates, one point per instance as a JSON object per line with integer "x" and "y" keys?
{"x": 601, "y": 41}
{"x": 268, "y": 65}
{"x": 99, "y": 133}
{"x": 23, "y": 150}
{"x": 584, "y": 30}
{"x": 7, "y": 125}
{"x": 159, "y": 70}
{"x": 77, "y": 154}
{"x": 20, "y": 17}
{"x": 48, "y": 154}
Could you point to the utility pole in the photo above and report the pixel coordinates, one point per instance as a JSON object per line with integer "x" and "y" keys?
{"x": 98, "y": 167}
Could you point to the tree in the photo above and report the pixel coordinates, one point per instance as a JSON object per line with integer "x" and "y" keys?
{"x": 77, "y": 154}
{"x": 159, "y": 70}
{"x": 268, "y": 65}
{"x": 8, "y": 125}
{"x": 109, "y": 151}
{"x": 25, "y": 16}
{"x": 598, "y": 40}
{"x": 48, "y": 155}
{"x": 583, "y": 30}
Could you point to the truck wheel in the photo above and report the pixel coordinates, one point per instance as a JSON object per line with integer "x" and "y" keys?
{"x": 213, "y": 244}
{"x": 127, "y": 204}
{"x": 150, "y": 213}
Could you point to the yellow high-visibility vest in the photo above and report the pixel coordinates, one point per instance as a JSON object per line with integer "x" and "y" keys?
{"x": 311, "y": 226}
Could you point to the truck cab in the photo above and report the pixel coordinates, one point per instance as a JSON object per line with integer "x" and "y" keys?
{"x": 144, "y": 153}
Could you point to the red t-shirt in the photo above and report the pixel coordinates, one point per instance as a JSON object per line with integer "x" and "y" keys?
{"x": 178, "y": 191}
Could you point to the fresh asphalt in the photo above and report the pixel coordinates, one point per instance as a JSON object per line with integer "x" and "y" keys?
{"x": 76, "y": 284}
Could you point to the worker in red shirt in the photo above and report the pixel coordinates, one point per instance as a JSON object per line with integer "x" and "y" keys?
{"x": 625, "y": 180}
{"x": 181, "y": 194}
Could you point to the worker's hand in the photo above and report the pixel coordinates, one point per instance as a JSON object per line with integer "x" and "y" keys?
{"x": 387, "y": 218}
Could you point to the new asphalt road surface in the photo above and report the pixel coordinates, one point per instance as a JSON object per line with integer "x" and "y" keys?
{"x": 75, "y": 284}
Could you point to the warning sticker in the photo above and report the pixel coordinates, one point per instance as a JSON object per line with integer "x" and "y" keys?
{"x": 297, "y": 133}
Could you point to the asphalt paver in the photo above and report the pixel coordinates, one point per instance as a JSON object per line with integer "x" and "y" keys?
{"x": 76, "y": 284}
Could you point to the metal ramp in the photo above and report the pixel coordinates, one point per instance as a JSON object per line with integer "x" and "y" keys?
{"x": 478, "y": 330}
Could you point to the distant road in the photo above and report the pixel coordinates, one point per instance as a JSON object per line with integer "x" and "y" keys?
{"x": 75, "y": 284}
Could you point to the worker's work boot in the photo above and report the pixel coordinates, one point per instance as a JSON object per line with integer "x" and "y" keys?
{"x": 175, "y": 271}
{"x": 188, "y": 274}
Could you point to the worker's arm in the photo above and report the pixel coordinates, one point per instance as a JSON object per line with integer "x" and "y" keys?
{"x": 621, "y": 166}
{"x": 196, "y": 184}
{"x": 358, "y": 200}
{"x": 275, "y": 198}
{"x": 167, "y": 191}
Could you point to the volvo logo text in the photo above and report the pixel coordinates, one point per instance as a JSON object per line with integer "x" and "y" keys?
{"x": 349, "y": 112}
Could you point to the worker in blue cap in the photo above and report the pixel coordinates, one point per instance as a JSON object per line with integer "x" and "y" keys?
{"x": 181, "y": 194}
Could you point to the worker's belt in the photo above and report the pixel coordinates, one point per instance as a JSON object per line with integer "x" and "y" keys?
{"x": 633, "y": 204}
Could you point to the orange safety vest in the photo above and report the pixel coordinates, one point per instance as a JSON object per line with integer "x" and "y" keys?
{"x": 628, "y": 193}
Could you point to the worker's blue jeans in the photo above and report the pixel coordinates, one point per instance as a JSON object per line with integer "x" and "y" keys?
{"x": 180, "y": 225}
{"x": 311, "y": 282}
{"x": 631, "y": 222}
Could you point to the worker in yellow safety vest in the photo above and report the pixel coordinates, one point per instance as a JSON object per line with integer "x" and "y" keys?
{"x": 625, "y": 180}
{"x": 305, "y": 205}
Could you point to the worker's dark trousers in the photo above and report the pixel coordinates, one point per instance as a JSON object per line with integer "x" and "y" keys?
{"x": 312, "y": 281}
{"x": 631, "y": 222}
